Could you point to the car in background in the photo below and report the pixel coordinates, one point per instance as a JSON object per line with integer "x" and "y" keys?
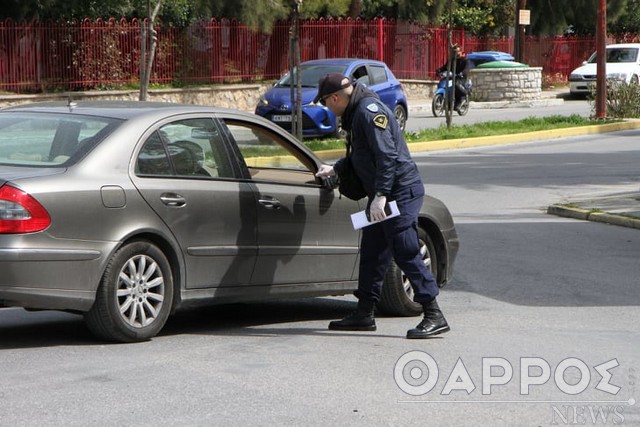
{"x": 482, "y": 57}
{"x": 127, "y": 211}
{"x": 623, "y": 65}
{"x": 318, "y": 120}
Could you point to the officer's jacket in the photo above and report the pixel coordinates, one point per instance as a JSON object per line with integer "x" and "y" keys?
{"x": 379, "y": 152}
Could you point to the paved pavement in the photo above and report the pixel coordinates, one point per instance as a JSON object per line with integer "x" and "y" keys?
{"x": 621, "y": 209}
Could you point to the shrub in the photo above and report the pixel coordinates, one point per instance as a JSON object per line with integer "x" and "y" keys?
{"x": 623, "y": 99}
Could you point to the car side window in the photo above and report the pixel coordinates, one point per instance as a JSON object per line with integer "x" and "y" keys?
{"x": 377, "y": 74}
{"x": 269, "y": 157}
{"x": 360, "y": 75}
{"x": 185, "y": 148}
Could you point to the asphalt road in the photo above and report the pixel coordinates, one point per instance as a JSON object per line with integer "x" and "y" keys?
{"x": 533, "y": 296}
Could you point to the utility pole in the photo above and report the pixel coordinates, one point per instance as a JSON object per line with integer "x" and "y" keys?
{"x": 521, "y": 22}
{"x": 601, "y": 60}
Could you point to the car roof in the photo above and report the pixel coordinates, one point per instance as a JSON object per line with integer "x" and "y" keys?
{"x": 635, "y": 45}
{"x": 343, "y": 61}
{"x": 114, "y": 109}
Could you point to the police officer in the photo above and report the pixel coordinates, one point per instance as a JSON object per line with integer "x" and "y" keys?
{"x": 381, "y": 159}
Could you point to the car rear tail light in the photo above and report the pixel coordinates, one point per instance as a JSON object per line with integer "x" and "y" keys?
{"x": 21, "y": 213}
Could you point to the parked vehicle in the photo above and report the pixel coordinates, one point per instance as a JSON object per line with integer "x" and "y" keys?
{"x": 622, "y": 65}
{"x": 486, "y": 56}
{"x": 444, "y": 95}
{"x": 127, "y": 211}
{"x": 318, "y": 120}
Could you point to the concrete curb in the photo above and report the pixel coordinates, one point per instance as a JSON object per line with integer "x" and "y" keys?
{"x": 589, "y": 215}
{"x": 569, "y": 212}
{"x": 522, "y": 137}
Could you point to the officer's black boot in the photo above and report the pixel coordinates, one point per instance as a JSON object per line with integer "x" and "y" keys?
{"x": 433, "y": 323}
{"x": 360, "y": 320}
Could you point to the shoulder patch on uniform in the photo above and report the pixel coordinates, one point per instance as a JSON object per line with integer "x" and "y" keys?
{"x": 381, "y": 121}
{"x": 373, "y": 108}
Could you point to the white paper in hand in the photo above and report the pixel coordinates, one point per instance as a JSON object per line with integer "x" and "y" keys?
{"x": 359, "y": 219}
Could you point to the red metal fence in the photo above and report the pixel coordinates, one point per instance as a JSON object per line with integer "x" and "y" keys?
{"x": 52, "y": 56}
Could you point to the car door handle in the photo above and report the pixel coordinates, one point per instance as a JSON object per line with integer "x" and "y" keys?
{"x": 270, "y": 203}
{"x": 171, "y": 199}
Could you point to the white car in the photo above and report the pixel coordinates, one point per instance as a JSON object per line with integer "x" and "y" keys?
{"x": 623, "y": 64}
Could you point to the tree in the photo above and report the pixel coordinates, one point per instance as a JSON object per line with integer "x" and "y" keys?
{"x": 629, "y": 22}
{"x": 147, "y": 63}
{"x": 571, "y": 16}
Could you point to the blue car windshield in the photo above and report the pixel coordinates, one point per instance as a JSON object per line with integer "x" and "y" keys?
{"x": 311, "y": 74}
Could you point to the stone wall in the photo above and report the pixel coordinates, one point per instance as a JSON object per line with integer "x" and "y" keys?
{"x": 506, "y": 84}
{"x": 240, "y": 97}
{"x": 419, "y": 89}
{"x": 493, "y": 84}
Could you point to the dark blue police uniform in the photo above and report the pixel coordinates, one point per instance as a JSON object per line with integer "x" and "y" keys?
{"x": 381, "y": 159}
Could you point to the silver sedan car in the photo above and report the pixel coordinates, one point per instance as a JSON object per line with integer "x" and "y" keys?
{"x": 125, "y": 212}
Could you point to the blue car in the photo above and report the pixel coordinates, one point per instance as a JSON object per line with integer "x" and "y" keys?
{"x": 318, "y": 121}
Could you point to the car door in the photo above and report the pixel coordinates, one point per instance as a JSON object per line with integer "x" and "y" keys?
{"x": 304, "y": 230}
{"x": 375, "y": 78}
{"x": 185, "y": 173}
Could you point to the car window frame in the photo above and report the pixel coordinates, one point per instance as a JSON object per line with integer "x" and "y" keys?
{"x": 304, "y": 157}
{"x": 373, "y": 76}
{"x": 227, "y": 151}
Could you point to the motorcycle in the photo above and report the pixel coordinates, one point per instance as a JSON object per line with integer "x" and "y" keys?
{"x": 439, "y": 104}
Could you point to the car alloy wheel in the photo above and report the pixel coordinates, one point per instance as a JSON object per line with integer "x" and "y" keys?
{"x": 401, "y": 116}
{"x": 134, "y": 299}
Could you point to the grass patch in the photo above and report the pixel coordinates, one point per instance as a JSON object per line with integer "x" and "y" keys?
{"x": 493, "y": 128}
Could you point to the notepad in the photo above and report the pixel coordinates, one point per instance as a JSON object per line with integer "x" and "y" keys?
{"x": 360, "y": 220}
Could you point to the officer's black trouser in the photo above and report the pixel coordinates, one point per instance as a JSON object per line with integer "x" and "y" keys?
{"x": 395, "y": 238}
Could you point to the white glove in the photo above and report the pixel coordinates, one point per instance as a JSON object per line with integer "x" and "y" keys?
{"x": 376, "y": 210}
{"x": 325, "y": 171}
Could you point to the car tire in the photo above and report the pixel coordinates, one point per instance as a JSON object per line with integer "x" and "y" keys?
{"x": 397, "y": 293}
{"x": 437, "y": 105}
{"x": 135, "y": 295}
{"x": 401, "y": 116}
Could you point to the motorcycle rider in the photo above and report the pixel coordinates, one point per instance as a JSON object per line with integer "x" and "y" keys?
{"x": 459, "y": 68}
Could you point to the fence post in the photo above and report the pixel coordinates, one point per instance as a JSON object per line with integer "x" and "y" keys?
{"x": 380, "y": 40}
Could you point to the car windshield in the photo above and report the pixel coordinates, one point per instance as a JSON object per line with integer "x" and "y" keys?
{"x": 618, "y": 54}
{"x": 45, "y": 140}
{"x": 311, "y": 74}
